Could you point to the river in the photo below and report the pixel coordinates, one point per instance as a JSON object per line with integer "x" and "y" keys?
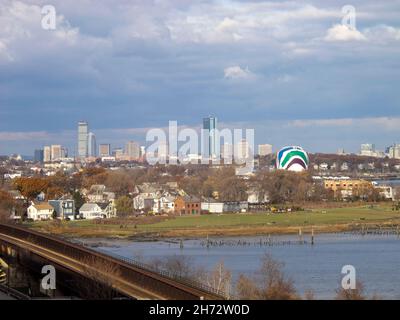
{"x": 312, "y": 267}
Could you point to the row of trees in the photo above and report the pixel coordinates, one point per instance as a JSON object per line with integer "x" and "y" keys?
{"x": 268, "y": 283}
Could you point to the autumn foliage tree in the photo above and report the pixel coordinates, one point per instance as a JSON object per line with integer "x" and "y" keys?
{"x": 7, "y": 203}
{"x": 31, "y": 187}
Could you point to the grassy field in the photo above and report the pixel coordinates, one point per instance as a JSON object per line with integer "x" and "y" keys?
{"x": 321, "y": 220}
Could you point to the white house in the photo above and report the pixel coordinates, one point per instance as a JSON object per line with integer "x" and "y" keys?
{"x": 97, "y": 210}
{"x": 91, "y": 211}
{"x": 165, "y": 204}
{"x": 41, "y": 211}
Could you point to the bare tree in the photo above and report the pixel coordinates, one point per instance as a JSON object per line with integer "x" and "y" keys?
{"x": 220, "y": 279}
{"x": 269, "y": 284}
{"x": 351, "y": 294}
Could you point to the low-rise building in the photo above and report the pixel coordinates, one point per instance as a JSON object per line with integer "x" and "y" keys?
{"x": 99, "y": 210}
{"x": 187, "y": 205}
{"x": 347, "y": 187}
{"x": 65, "y": 209}
{"x": 40, "y": 211}
{"x": 212, "y": 206}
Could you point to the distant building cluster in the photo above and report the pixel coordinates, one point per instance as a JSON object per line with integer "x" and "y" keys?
{"x": 368, "y": 149}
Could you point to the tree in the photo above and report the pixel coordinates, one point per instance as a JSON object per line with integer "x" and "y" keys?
{"x": 351, "y": 294}
{"x": 78, "y": 198}
{"x": 7, "y": 203}
{"x": 269, "y": 284}
{"x": 31, "y": 187}
{"x": 124, "y": 205}
{"x": 220, "y": 279}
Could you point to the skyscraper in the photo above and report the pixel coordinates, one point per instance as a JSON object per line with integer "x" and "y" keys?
{"x": 47, "y": 154}
{"x": 38, "y": 155}
{"x": 210, "y": 139}
{"x": 56, "y": 152}
{"x": 132, "y": 150}
{"x": 92, "y": 147}
{"x": 82, "y": 139}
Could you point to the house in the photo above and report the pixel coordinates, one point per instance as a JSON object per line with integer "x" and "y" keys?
{"x": 99, "y": 193}
{"x": 41, "y": 196}
{"x": 212, "y": 206}
{"x": 99, "y": 210}
{"x": 165, "y": 204}
{"x": 40, "y": 211}
{"x": 155, "y": 197}
{"x": 65, "y": 209}
{"x": 187, "y": 205}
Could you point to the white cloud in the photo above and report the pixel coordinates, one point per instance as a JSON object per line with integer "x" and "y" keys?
{"x": 341, "y": 32}
{"x": 383, "y": 33}
{"x": 236, "y": 72}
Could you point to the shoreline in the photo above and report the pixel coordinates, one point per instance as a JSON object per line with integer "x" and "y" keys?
{"x": 240, "y": 231}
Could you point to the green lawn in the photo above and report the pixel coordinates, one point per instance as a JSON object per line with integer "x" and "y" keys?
{"x": 316, "y": 217}
{"x": 304, "y": 218}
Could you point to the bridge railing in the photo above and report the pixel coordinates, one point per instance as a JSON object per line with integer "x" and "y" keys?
{"x": 79, "y": 251}
{"x": 165, "y": 273}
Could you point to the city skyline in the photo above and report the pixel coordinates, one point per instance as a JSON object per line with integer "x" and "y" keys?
{"x": 289, "y": 70}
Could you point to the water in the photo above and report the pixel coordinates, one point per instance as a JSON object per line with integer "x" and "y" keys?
{"x": 318, "y": 267}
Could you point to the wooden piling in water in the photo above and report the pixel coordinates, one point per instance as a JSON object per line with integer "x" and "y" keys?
{"x": 312, "y": 236}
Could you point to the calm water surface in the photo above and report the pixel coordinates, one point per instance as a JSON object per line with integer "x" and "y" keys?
{"x": 375, "y": 257}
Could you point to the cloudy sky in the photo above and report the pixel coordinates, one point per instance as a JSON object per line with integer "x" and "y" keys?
{"x": 295, "y": 71}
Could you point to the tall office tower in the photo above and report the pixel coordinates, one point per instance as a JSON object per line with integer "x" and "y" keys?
{"x": 92, "y": 147}
{"x": 264, "y": 149}
{"x": 46, "y": 154}
{"x": 38, "y": 155}
{"x": 210, "y": 139}
{"x": 132, "y": 150}
{"x": 56, "y": 152}
{"x": 104, "y": 150}
{"x": 82, "y": 139}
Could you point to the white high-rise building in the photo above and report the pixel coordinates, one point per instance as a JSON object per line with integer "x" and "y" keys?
{"x": 92, "y": 147}
{"x": 56, "y": 152}
{"x": 46, "y": 154}
{"x": 264, "y": 149}
{"x": 82, "y": 139}
{"x": 132, "y": 150}
{"x": 394, "y": 151}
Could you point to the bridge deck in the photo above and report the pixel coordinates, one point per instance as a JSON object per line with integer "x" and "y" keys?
{"x": 132, "y": 280}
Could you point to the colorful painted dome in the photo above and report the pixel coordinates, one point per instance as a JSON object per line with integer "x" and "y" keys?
{"x": 292, "y": 158}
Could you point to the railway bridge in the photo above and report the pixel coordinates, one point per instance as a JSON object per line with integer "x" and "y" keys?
{"x": 133, "y": 279}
